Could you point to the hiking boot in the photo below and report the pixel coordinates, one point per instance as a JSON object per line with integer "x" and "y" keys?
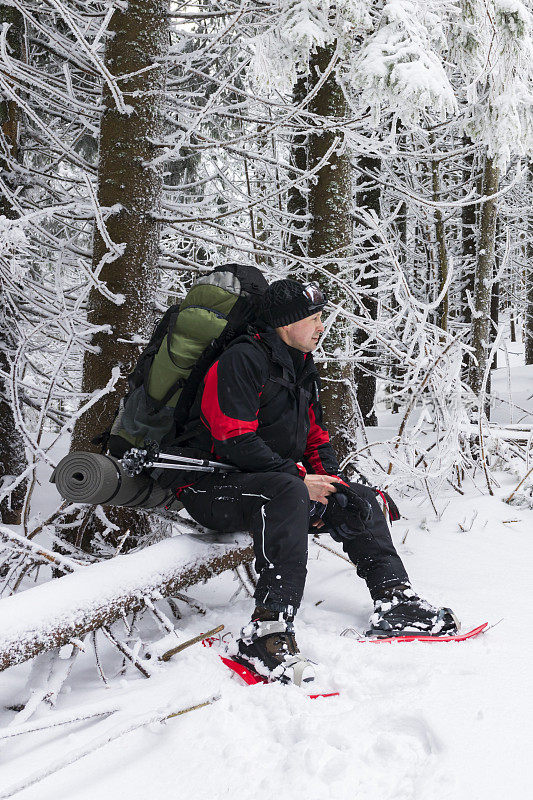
{"x": 268, "y": 647}
{"x": 400, "y": 612}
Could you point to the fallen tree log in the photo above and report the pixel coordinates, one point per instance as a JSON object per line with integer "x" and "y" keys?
{"x": 66, "y": 608}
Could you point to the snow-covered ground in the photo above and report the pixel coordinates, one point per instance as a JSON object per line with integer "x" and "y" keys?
{"x": 413, "y": 721}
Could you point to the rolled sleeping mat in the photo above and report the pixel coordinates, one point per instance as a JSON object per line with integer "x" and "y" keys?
{"x": 100, "y": 480}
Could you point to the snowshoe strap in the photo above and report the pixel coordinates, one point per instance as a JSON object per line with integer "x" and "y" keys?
{"x": 302, "y": 669}
{"x": 259, "y": 628}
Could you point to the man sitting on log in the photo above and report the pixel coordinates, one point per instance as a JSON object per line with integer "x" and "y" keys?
{"x": 259, "y": 410}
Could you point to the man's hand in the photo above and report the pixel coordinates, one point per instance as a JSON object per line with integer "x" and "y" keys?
{"x": 320, "y": 486}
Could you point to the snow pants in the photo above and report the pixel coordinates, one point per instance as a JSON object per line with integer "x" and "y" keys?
{"x": 275, "y": 507}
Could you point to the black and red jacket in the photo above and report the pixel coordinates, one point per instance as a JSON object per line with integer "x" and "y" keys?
{"x": 259, "y": 409}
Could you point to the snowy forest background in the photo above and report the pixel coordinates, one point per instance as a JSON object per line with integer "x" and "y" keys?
{"x": 381, "y": 148}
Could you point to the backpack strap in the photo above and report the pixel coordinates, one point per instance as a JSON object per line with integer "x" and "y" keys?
{"x": 303, "y": 416}
{"x": 272, "y": 387}
{"x": 273, "y": 384}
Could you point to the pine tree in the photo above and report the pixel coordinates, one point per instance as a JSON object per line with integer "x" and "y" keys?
{"x": 484, "y": 276}
{"x": 368, "y": 196}
{"x": 329, "y": 199}
{"x": 126, "y": 250}
{"x": 12, "y": 456}
{"x": 528, "y": 326}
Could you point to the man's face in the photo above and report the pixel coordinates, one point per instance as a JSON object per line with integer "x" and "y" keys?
{"x": 304, "y": 334}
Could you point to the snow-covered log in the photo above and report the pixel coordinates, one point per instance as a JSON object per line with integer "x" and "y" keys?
{"x": 52, "y": 614}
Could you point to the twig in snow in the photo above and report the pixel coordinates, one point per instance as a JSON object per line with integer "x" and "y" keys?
{"x": 54, "y": 722}
{"x": 97, "y": 658}
{"x": 173, "y": 607}
{"x": 57, "y": 513}
{"x": 251, "y": 574}
{"x": 127, "y": 653}
{"x": 62, "y": 562}
{"x": 201, "y": 636}
{"x": 469, "y": 528}
{"x": 121, "y": 541}
{"x": 192, "y": 708}
{"x": 163, "y": 621}
{"x": 517, "y": 487}
{"x": 245, "y": 584}
{"x": 459, "y": 491}
{"x": 430, "y": 498}
{"x": 120, "y": 729}
{"x": 190, "y": 602}
{"x": 331, "y": 550}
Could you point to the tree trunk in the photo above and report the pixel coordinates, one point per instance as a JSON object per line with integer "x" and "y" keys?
{"x": 67, "y": 608}
{"x": 442, "y": 253}
{"x": 484, "y": 277}
{"x": 327, "y": 200}
{"x": 495, "y": 297}
{"x": 297, "y": 203}
{"x": 512, "y": 326}
{"x": 468, "y": 240}
{"x": 126, "y": 178}
{"x": 397, "y": 368}
{"x": 528, "y": 322}
{"x": 12, "y": 455}
{"x": 495, "y": 316}
{"x": 368, "y": 198}
{"x": 468, "y": 251}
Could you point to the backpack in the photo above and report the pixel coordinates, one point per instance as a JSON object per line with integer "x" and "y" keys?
{"x": 185, "y": 342}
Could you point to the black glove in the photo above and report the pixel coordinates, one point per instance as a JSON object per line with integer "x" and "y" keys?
{"x": 390, "y": 506}
{"x": 346, "y": 508}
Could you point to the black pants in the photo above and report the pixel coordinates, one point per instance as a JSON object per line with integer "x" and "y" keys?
{"x": 275, "y": 507}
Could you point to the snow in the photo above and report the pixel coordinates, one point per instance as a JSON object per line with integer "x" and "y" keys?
{"x": 400, "y": 66}
{"x": 431, "y": 721}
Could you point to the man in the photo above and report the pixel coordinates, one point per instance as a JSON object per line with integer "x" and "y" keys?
{"x": 260, "y": 411}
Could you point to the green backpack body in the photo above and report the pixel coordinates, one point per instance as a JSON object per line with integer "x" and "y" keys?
{"x": 184, "y": 344}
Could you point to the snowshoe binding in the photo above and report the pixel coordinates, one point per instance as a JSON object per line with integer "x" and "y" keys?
{"x": 268, "y": 648}
{"x": 400, "y": 611}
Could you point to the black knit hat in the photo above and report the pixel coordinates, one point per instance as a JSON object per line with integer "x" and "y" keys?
{"x": 288, "y": 301}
